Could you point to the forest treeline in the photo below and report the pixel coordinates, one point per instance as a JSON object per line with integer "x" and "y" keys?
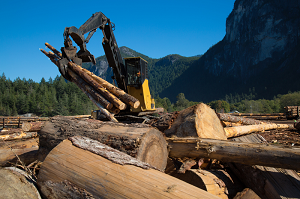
{"x": 47, "y": 98}
{"x": 244, "y": 103}
{"x": 59, "y": 97}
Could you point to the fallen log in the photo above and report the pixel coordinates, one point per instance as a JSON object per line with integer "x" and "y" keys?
{"x": 198, "y": 121}
{"x": 15, "y": 183}
{"x": 69, "y": 170}
{"x": 27, "y": 150}
{"x": 32, "y": 126}
{"x": 231, "y": 118}
{"x": 239, "y": 152}
{"x": 137, "y": 140}
{"x": 266, "y": 182}
{"x": 247, "y": 129}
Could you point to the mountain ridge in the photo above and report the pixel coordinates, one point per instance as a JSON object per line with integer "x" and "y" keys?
{"x": 260, "y": 50}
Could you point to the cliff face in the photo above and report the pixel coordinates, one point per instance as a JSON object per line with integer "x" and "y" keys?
{"x": 261, "y": 50}
{"x": 258, "y": 34}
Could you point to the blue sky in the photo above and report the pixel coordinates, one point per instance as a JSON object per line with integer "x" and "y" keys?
{"x": 154, "y": 28}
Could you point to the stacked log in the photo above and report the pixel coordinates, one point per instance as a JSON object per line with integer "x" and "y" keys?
{"x": 66, "y": 172}
{"x": 107, "y": 97}
{"x": 267, "y": 182}
{"x": 137, "y": 140}
{"x": 197, "y": 121}
{"x": 15, "y": 183}
{"x": 238, "y": 152}
{"x": 26, "y": 150}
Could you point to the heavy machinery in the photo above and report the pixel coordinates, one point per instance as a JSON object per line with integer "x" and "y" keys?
{"x": 132, "y": 77}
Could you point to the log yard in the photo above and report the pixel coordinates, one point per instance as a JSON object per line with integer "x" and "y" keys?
{"x": 129, "y": 148}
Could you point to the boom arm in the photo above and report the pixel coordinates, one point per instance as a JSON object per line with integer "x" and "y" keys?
{"x": 109, "y": 43}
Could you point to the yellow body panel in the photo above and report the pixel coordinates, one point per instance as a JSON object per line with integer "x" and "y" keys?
{"x": 142, "y": 93}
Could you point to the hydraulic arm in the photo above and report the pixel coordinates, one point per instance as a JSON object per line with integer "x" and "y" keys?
{"x": 112, "y": 52}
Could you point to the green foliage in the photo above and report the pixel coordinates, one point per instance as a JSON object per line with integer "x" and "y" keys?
{"x": 243, "y": 105}
{"x": 220, "y": 106}
{"x": 55, "y": 97}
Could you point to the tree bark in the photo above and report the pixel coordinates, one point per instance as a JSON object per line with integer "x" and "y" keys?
{"x": 242, "y": 130}
{"x": 82, "y": 172}
{"x": 198, "y": 121}
{"x": 239, "y": 152}
{"x": 27, "y": 150}
{"x": 32, "y": 126}
{"x": 137, "y": 140}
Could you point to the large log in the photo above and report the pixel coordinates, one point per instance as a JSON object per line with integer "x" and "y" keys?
{"x": 247, "y": 129}
{"x": 15, "y": 183}
{"x": 27, "y": 150}
{"x": 267, "y": 182}
{"x": 198, "y": 121}
{"x": 138, "y": 140}
{"x": 68, "y": 171}
{"x": 239, "y": 152}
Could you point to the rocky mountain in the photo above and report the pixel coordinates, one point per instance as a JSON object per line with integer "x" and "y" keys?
{"x": 260, "y": 49}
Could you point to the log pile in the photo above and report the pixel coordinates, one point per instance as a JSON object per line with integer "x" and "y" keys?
{"x": 107, "y": 97}
{"x": 193, "y": 156}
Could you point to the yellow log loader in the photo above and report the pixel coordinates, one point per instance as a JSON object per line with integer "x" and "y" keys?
{"x": 130, "y": 75}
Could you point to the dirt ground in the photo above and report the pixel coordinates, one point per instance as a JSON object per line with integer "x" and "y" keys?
{"x": 290, "y": 137}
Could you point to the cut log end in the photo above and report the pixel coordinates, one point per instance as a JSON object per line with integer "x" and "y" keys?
{"x": 153, "y": 149}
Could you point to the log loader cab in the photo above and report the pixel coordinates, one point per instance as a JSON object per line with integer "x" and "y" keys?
{"x": 137, "y": 83}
